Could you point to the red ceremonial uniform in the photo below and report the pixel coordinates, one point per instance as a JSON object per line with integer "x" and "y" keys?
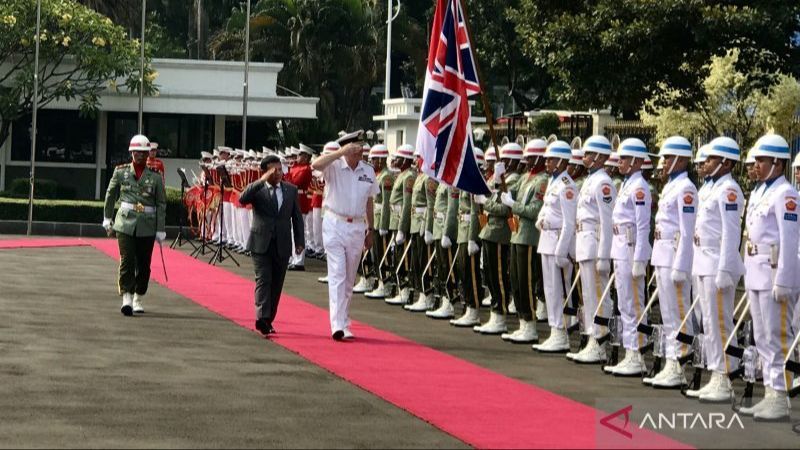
{"x": 300, "y": 176}
{"x": 155, "y": 164}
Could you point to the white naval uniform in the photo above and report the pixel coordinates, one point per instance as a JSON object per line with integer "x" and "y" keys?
{"x": 697, "y": 289}
{"x": 631, "y": 243}
{"x": 716, "y": 248}
{"x": 343, "y": 232}
{"x": 673, "y": 250}
{"x": 771, "y": 259}
{"x": 593, "y": 242}
{"x": 556, "y": 221}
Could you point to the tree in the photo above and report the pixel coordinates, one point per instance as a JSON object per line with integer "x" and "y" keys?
{"x": 82, "y": 53}
{"x": 734, "y": 103}
{"x": 617, "y": 52}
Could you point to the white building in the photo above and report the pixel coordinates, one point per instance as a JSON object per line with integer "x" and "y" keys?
{"x": 198, "y": 107}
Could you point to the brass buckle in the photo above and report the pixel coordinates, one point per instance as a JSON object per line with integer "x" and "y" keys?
{"x": 751, "y": 249}
{"x": 139, "y": 208}
{"x": 697, "y": 240}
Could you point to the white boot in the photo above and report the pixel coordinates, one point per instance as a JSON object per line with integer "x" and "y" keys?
{"x": 692, "y": 393}
{"x": 776, "y": 408}
{"x": 593, "y": 353}
{"x": 631, "y": 365}
{"x": 670, "y": 377}
{"x": 495, "y": 325}
{"x": 571, "y": 355}
{"x": 127, "y": 302}
{"x": 363, "y": 285}
{"x": 541, "y": 311}
{"x": 422, "y": 304}
{"x": 526, "y": 334}
{"x": 749, "y": 411}
{"x": 379, "y": 292}
{"x": 137, "y": 303}
{"x": 323, "y": 280}
{"x": 512, "y": 307}
{"x": 444, "y": 311}
{"x": 720, "y": 391}
{"x": 557, "y": 342}
{"x": 400, "y": 299}
{"x": 487, "y": 301}
{"x": 507, "y": 336}
{"x": 469, "y": 319}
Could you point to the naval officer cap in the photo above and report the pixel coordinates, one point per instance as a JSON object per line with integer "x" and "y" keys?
{"x": 306, "y": 149}
{"x": 206, "y": 155}
{"x": 355, "y": 136}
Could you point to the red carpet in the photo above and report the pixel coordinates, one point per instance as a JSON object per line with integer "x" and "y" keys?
{"x": 467, "y": 401}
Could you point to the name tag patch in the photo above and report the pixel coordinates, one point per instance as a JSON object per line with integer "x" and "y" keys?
{"x": 688, "y": 209}
{"x": 607, "y": 199}
{"x": 365, "y": 178}
{"x": 791, "y": 217}
{"x": 640, "y": 203}
{"x": 731, "y": 207}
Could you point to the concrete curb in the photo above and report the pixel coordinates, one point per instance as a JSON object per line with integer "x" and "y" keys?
{"x": 62, "y": 229}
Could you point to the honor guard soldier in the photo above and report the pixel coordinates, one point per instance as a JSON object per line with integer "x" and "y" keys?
{"x": 300, "y": 176}
{"x": 445, "y": 234}
{"x": 593, "y": 245}
{"x": 420, "y": 250}
{"x": 139, "y": 222}
{"x": 400, "y": 223}
{"x": 630, "y": 250}
{"x": 155, "y": 164}
{"x": 771, "y": 276}
{"x": 672, "y": 256}
{"x": 496, "y": 239}
{"x": 556, "y": 223}
{"x": 526, "y": 265}
{"x": 379, "y": 155}
{"x": 612, "y": 168}
{"x": 718, "y": 264}
{"x": 468, "y": 255}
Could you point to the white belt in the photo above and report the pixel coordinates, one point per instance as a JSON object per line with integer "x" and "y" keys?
{"x": 344, "y": 218}
{"x": 420, "y": 210}
{"x": 137, "y": 207}
{"x": 754, "y": 249}
{"x": 705, "y": 242}
{"x": 466, "y": 217}
{"x": 377, "y": 205}
{"x": 301, "y": 191}
{"x": 665, "y": 236}
{"x": 439, "y": 215}
{"x": 396, "y": 208}
{"x": 585, "y": 226}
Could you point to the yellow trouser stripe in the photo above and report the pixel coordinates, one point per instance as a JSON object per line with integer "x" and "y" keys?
{"x": 787, "y": 377}
{"x": 637, "y": 308}
{"x": 598, "y": 291}
{"x": 679, "y": 293}
{"x": 721, "y": 322}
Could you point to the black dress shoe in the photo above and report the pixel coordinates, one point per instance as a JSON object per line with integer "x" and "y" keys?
{"x": 127, "y": 310}
{"x": 264, "y": 328}
{"x": 338, "y": 335}
{"x": 295, "y": 268}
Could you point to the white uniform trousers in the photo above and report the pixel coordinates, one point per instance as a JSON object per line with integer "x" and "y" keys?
{"x": 242, "y": 225}
{"x": 772, "y": 330}
{"x": 308, "y": 227}
{"x": 674, "y": 301}
{"x": 592, "y": 285}
{"x": 344, "y": 243}
{"x": 717, "y": 307}
{"x": 317, "y": 225}
{"x": 554, "y": 289}
{"x": 229, "y": 217}
{"x": 248, "y": 222}
{"x": 630, "y": 301}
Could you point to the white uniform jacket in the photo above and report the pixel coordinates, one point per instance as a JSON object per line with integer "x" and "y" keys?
{"x": 631, "y": 219}
{"x": 675, "y": 220}
{"x": 557, "y": 216}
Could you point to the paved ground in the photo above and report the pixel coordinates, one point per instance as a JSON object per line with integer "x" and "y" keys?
{"x": 75, "y": 373}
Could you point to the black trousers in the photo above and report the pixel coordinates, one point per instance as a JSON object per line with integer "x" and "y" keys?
{"x": 422, "y": 280}
{"x": 470, "y": 281}
{"x": 401, "y": 267}
{"x": 496, "y": 270}
{"x": 444, "y": 259}
{"x": 270, "y": 272}
{"x": 379, "y": 244}
{"x": 135, "y": 254}
{"x": 526, "y": 276}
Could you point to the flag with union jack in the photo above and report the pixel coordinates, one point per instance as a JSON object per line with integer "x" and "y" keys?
{"x": 444, "y": 138}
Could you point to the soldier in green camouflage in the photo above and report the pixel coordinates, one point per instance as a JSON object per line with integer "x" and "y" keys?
{"x": 378, "y": 155}
{"x": 445, "y": 233}
{"x": 400, "y": 223}
{"x": 421, "y": 252}
{"x": 139, "y": 222}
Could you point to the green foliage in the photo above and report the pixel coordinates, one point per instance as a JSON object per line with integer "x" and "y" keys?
{"x": 545, "y": 124}
{"x": 81, "y": 54}
{"x": 44, "y": 188}
{"x": 617, "y": 52}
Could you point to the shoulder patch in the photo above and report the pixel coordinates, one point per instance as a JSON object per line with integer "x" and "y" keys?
{"x": 688, "y": 198}
{"x": 122, "y": 166}
{"x": 639, "y": 194}
{"x": 565, "y": 180}
{"x": 731, "y": 196}
{"x": 570, "y": 194}
{"x": 606, "y": 189}
{"x": 791, "y": 204}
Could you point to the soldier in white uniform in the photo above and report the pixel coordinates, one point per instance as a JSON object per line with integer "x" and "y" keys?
{"x": 672, "y": 256}
{"x": 347, "y": 228}
{"x": 718, "y": 264}
{"x": 557, "y": 225}
{"x": 630, "y": 250}
{"x": 593, "y": 244}
{"x": 771, "y": 276}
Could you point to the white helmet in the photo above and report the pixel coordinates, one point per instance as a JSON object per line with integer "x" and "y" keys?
{"x": 558, "y": 149}
{"x": 577, "y": 157}
{"x": 405, "y": 151}
{"x": 331, "y": 147}
{"x": 771, "y": 145}
{"x": 378, "y": 151}
{"x": 478, "y": 156}
{"x": 750, "y": 158}
{"x": 613, "y": 160}
{"x": 702, "y": 154}
{"x": 796, "y": 162}
{"x": 597, "y": 144}
{"x": 139, "y": 143}
{"x": 512, "y": 150}
{"x": 632, "y": 147}
{"x": 491, "y": 154}
{"x": 676, "y": 146}
{"x": 535, "y": 147}
{"x": 724, "y": 147}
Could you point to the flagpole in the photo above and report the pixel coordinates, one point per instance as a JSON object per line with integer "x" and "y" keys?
{"x": 141, "y": 70}
{"x": 246, "y": 76}
{"x": 487, "y": 112}
{"x": 34, "y": 117}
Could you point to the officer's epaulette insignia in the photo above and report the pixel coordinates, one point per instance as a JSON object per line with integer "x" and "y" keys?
{"x": 122, "y": 166}
{"x": 565, "y": 179}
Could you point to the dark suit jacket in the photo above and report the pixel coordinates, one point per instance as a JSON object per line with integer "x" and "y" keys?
{"x": 269, "y": 223}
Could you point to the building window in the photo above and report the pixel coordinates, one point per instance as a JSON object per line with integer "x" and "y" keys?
{"x": 400, "y": 138}
{"x": 260, "y": 132}
{"x": 63, "y": 136}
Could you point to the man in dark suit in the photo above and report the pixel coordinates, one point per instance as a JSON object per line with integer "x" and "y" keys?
{"x": 276, "y": 213}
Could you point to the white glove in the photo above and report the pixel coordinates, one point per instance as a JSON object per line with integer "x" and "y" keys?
{"x": 724, "y": 280}
{"x": 383, "y": 232}
{"x": 639, "y": 269}
{"x": 603, "y": 266}
{"x": 428, "y": 237}
{"x": 679, "y": 276}
{"x": 446, "y": 242}
{"x": 499, "y": 170}
{"x": 107, "y": 224}
{"x": 161, "y": 235}
{"x": 400, "y": 237}
{"x": 472, "y": 248}
{"x": 507, "y": 199}
{"x": 780, "y": 294}
{"x": 562, "y": 261}
{"x": 480, "y": 199}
